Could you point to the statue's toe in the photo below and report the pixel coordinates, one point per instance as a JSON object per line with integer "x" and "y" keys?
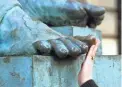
{"x": 93, "y": 10}
{"x": 97, "y": 11}
{"x": 94, "y": 21}
{"x": 42, "y": 47}
{"x": 74, "y": 50}
{"x": 59, "y": 48}
{"x": 83, "y": 46}
{"x": 92, "y": 25}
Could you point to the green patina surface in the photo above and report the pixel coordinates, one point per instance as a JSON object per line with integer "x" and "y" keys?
{"x": 51, "y": 73}
{"x": 45, "y": 71}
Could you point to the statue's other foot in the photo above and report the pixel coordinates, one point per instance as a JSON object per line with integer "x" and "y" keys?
{"x": 63, "y": 47}
{"x": 95, "y": 14}
{"x": 64, "y": 12}
{"x": 84, "y": 14}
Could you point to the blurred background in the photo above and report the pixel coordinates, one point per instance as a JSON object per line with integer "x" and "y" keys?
{"x": 111, "y": 26}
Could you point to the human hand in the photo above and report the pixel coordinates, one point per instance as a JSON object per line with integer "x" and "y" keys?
{"x": 85, "y": 73}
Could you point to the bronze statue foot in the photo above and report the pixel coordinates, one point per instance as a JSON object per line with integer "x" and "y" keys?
{"x": 63, "y": 47}
{"x": 64, "y": 12}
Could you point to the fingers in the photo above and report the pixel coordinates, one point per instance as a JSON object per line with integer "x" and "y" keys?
{"x": 96, "y": 47}
{"x": 92, "y": 51}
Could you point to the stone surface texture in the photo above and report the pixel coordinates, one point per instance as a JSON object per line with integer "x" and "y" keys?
{"x": 51, "y": 73}
{"x": 44, "y": 71}
{"x": 16, "y": 71}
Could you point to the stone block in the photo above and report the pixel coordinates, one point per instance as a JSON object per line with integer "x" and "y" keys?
{"x": 48, "y": 72}
{"x": 15, "y": 71}
{"x": 45, "y": 71}
{"x": 107, "y": 71}
{"x": 82, "y": 31}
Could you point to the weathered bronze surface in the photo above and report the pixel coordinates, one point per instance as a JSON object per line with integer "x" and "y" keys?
{"x": 64, "y": 12}
{"x": 22, "y": 23}
{"x": 63, "y": 47}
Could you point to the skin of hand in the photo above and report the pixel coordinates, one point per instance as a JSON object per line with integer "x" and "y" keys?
{"x": 85, "y": 73}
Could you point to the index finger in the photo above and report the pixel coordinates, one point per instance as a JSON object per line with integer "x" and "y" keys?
{"x": 90, "y": 53}
{"x": 96, "y": 47}
{"x": 92, "y": 50}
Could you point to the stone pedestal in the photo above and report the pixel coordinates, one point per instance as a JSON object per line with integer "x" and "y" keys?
{"x": 44, "y": 71}
{"x": 50, "y": 73}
